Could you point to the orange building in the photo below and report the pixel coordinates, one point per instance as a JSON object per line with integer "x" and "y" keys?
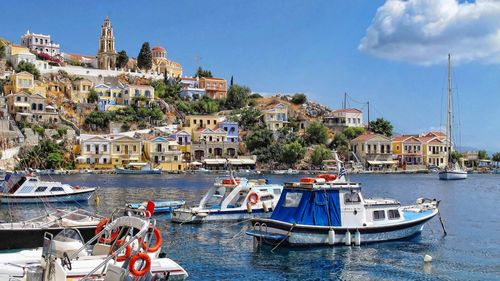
{"x": 215, "y": 88}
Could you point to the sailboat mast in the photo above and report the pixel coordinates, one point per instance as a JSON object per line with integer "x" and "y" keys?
{"x": 450, "y": 106}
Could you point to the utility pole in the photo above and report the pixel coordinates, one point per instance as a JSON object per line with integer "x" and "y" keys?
{"x": 345, "y": 100}
{"x": 368, "y": 115}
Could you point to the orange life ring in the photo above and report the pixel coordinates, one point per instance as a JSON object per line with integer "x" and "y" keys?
{"x": 253, "y": 198}
{"x": 145, "y": 269}
{"x": 307, "y": 180}
{"x": 328, "y": 177}
{"x": 128, "y": 251}
{"x": 100, "y": 227}
{"x": 230, "y": 181}
{"x": 158, "y": 243}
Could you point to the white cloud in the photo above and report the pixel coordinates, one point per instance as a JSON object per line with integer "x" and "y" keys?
{"x": 425, "y": 31}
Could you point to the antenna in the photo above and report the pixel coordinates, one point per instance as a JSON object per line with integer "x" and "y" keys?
{"x": 197, "y": 59}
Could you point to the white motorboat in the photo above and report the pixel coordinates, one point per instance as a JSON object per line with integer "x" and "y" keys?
{"x": 66, "y": 257}
{"x": 31, "y": 189}
{"x": 138, "y": 169}
{"x": 328, "y": 210}
{"x": 453, "y": 171}
{"x": 232, "y": 199}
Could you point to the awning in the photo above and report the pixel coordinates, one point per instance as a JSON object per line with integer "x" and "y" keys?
{"x": 23, "y": 104}
{"x": 24, "y": 114}
{"x": 215, "y": 161}
{"x": 388, "y": 162}
{"x": 137, "y": 164}
{"x": 241, "y": 161}
{"x": 81, "y": 158}
{"x": 134, "y": 158}
{"x": 196, "y": 163}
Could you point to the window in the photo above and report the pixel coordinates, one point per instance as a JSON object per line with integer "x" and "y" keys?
{"x": 56, "y": 188}
{"x": 134, "y": 148}
{"x": 88, "y": 147}
{"x": 267, "y": 197}
{"x": 104, "y": 147}
{"x": 117, "y": 148}
{"x": 393, "y": 214}
{"x": 277, "y": 191}
{"x": 378, "y": 215}
{"x": 40, "y": 106}
{"x": 352, "y": 197}
{"x": 292, "y": 199}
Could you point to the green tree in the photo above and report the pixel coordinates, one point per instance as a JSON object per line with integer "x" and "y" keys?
{"x": 496, "y": 157}
{"x": 54, "y": 160}
{"x": 145, "y": 58}
{"x": 299, "y": 98}
{"x": 99, "y": 120}
{"x": 340, "y": 140}
{"x": 200, "y": 72}
{"x": 172, "y": 89}
{"x": 320, "y": 153}
{"x": 29, "y": 67}
{"x": 259, "y": 138}
{"x": 2, "y": 50}
{"x": 121, "y": 59}
{"x": 483, "y": 155}
{"x": 353, "y": 132}
{"x": 316, "y": 133}
{"x": 231, "y": 83}
{"x": 237, "y": 96}
{"x": 247, "y": 118}
{"x": 93, "y": 96}
{"x": 292, "y": 152}
{"x": 455, "y": 155}
{"x": 381, "y": 126}
{"x": 160, "y": 88}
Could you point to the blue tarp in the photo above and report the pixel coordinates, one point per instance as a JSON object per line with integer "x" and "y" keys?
{"x": 316, "y": 207}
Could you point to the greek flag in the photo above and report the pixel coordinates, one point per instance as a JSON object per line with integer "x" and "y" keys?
{"x": 342, "y": 172}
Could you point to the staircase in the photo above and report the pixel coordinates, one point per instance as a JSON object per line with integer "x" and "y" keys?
{"x": 69, "y": 123}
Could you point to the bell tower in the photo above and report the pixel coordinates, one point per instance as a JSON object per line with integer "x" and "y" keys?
{"x": 106, "y": 55}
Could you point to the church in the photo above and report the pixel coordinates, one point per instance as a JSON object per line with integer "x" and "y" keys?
{"x": 106, "y": 55}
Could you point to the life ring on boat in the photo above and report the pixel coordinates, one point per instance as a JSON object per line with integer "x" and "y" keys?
{"x": 328, "y": 177}
{"x": 230, "y": 181}
{"x": 253, "y": 198}
{"x": 307, "y": 180}
{"x": 100, "y": 227}
{"x": 131, "y": 266}
{"x": 158, "y": 243}
{"x": 128, "y": 251}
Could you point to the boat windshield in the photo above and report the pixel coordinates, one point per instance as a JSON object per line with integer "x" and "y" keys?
{"x": 219, "y": 195}
{"x": 69, "y": 235}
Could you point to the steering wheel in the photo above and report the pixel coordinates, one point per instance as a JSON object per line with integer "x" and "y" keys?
{"x": 65, "y": 261}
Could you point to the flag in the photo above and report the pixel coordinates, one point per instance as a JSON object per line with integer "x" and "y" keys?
{"x": 342, "y": 172}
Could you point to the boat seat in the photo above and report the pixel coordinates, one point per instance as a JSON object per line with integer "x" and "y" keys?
{"x": 101, "y": 249}
{"x": 116, "y": 273}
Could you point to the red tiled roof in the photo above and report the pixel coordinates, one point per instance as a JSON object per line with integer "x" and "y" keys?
{"x": 158, "y": 48}
{"x": 437, "y": 134}
{"x": 348, "y": 110}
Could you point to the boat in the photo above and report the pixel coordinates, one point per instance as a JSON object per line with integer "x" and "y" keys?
{"x": 330, "y": 210}
{"x": 159, "y": 206}
{"x": 29, "y": 233}
{"x": 31, "y": 189}
{"x": 121, "y": 249}
{"x": 137, "y": 169}
{"x": 452, "y": 171}
{"x": 286, "y": 172}
{"x": 232, "y": 199}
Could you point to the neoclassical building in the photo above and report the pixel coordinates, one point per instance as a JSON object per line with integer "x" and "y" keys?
{"x": 161, "y": 64}
{"x": 106, "y": 55}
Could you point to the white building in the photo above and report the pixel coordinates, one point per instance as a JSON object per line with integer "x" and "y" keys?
{"x": 343, "y": 118}
{"x": 17, "y": 54}
{"x": 95, "y": 150}
{"x": 40, "y": 43}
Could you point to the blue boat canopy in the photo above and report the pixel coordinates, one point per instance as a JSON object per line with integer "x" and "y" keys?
{"x": 319, "y": 207}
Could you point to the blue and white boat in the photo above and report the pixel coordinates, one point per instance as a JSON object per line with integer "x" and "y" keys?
{"x": 160, "y": 206}
{"x": 332, "y": 211}
{"x": 138, "y": 169}
{"x": 232, "y": 199}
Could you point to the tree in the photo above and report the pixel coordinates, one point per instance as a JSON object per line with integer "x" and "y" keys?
{"x": 145, "y": 58}
{"x": 200, "y": 72}
{"x": 160, "y": 88}
{"x": 247, "y": 117}
{"x": 121, "y": 59}
{"x": 496, "y": 157}
{"x": 292, "y": 152}
{"x": 456, "y": 156}
{"x": 2, "y": 50}
{"x": 340, "y": 140}
{"x": 353, "y": 132}
{"x": 54, "y": 160}
{"x": 93, "y": 97}
{"x": 237, "y": 96}
{"x": 381, "y": 126}
{"x": 259, "y": 138}
{"x": 320, "y": 153}
{"x": 29, "y": 67}
{"x": 316, "y": 133}
{"x": 231, "y": 83}
{"x": 482, "y": 155}
{"x": 299, "y": 98}
{"x": 172, "y": 89}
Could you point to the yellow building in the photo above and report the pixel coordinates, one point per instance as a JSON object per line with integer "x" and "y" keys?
{"x": 183, "y": 138}
{"x": 193, "y": 124}
{"x": 94, "y": 153}
{"x": 164, "y": 154}
{"x": 143, "y": 95}
{"x": 408, "y": 150}
{"x": 276, "y": 117}
{"x": 24, "y": 81}
{"x": 79, "y": 90}
{"x": 125, "y": 150}
{"x": 434, "y": 151}
{"x": 161, "y": 64}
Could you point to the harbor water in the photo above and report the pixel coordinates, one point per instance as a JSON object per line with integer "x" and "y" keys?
{"x": 222, "y": 251}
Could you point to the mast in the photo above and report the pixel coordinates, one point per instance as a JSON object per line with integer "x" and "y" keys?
{"x": 449, "y": 119}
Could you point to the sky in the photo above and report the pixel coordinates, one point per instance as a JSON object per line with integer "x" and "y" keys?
{"x": 392, "y": 54}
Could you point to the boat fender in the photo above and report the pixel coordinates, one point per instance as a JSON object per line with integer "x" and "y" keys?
{"x": 202, "y": 215}
{"x": 128, "y": 251}
{"x": 131, "y": 266}
{"x": 357, "y": 238}
{"x": 427, "y": 258}
{"x": 264, "y": 206}
{"x": 331, "y": 236}
{"x": 158, "y": 243}
{"x": 253, "y": 198}
{"x": 249, "y": 208}
{"x": 348, "y": 238}
{"x": 100, "y": 227}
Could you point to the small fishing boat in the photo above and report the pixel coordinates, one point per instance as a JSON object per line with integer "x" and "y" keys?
{"x": 29, "y": 233}
{"x": 160, "y": 206}
{"x": 232, "y": 199}
{"x": 124, "y": 248}
{"x": 138, "y": 169}
{"x": 328, "y": 210}
{"x": 286, "y": 172}
{"x": 31, "y": 189}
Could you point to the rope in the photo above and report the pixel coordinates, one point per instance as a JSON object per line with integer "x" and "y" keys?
{"x": 287, "y": 234}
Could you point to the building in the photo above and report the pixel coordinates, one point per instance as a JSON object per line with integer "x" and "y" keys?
{"x": 79, "y": 90}
{"x": 95, "y": 153}
{"x": 215, "y": 88}
{"x": 17, "y": 54}
{"x": 106, "y": 55}
{"x": 86, "y": 61}
{"x": 343, "y": 118}
{"x": 183, "y": 139}
{"x": 220, "y": 142}
{"x": 140, "y": 95}
{"x": 40, "y": 43}
{"x": 231, "y": 129}
{"x": 190, "y": 88}
{"x": 193, "y": 123}
{"x": 373, "y": 151}
{"x": 434, "y": 151}
{"x": 31, "y": 108}
{"x": 125, "y": 150}
{"x": 24, "y": 82}
{"x": 408, "y": 152}
{"x": 164, "y": 154}
{"x": 276, "y": 117}
{"x": 162, "y": 65}
{"x": 108, "y": 95}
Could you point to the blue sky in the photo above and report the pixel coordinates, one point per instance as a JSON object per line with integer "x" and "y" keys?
{"x": 304, "y": 46}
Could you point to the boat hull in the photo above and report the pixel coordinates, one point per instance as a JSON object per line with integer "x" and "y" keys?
{"x": 187, "y": 216}
{"x": 160, "y": 206}
{"x": 78, "y": 196}
{"x": 29, "y": 238}
{"x": 138, "y": 172}
{"x": 452, "y": 175}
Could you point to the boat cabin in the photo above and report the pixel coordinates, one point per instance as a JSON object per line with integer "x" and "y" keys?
{"x": 29, "y": 184}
